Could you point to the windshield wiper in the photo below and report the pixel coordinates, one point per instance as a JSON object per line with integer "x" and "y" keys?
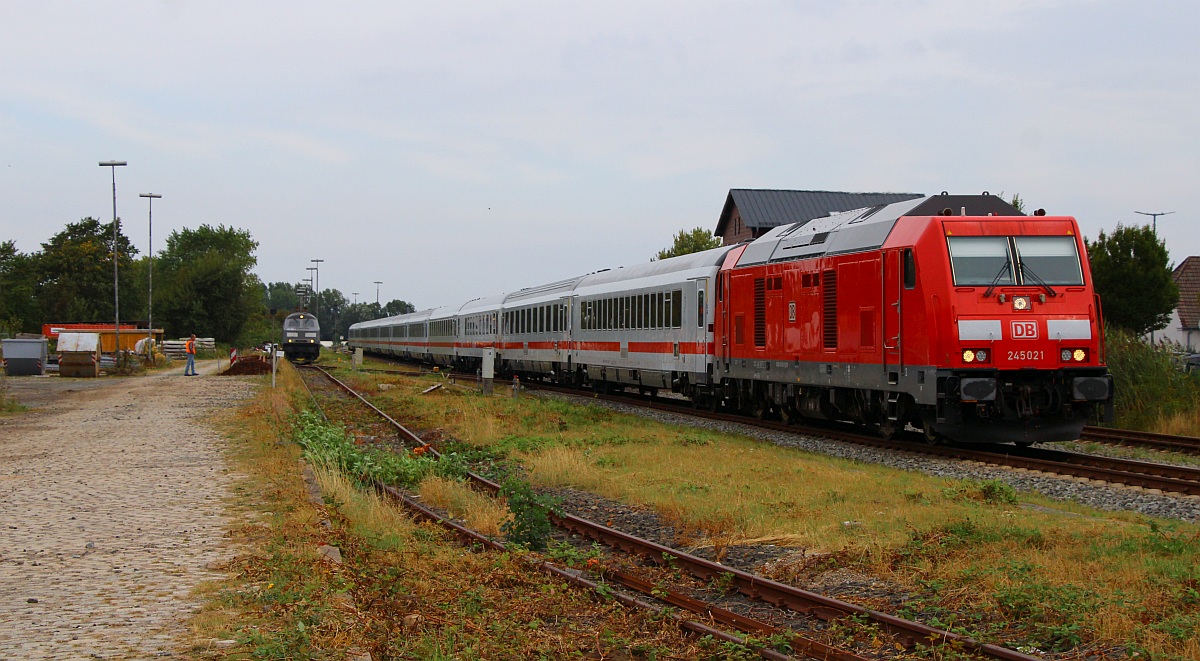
{"x": 996, "y": 280}
{"x": 1026, "y": 271}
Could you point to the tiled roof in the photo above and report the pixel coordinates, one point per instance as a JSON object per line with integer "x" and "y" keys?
{"x": 765, "y": 209}
{"x": 1187, "y": 276}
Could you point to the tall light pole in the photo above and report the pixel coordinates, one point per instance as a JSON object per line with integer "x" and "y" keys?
{"x": 1154, "y": 219}
{"x": 317, "y": 285}
{"x": 377, "y": 283}
{"x": 355, "y": 298}
{"x": 150, "y": 197}
{"x": 313, "y": 288}
{"x": 309, "y": 281}
{"x": 116, "y": 255}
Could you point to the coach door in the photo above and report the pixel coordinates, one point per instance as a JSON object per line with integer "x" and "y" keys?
{"x": 562, "y": 324}
{"x": 723, "y": 322}
{"x": 892, "y": 313}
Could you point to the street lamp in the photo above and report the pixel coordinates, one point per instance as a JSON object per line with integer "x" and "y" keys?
{"x": 377, "y": 283}
{"x": 317, "y": 285}
{"x": 1154, "y": 219}
{"x": 150, "y": 197}
{"x": 116, "y": 290}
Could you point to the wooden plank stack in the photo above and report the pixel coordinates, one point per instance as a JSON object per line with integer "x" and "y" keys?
{"x": 175, "y": 348}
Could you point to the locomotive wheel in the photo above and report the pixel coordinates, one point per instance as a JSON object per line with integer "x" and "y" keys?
{"x": 930, "y": 434}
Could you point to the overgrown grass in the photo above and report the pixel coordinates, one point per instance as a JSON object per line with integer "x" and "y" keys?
{"x": 9, "y": 404}
{"x": 405, "y": 590}
{"x": 976, "y": 556}
{"x": 1153, "y": 393}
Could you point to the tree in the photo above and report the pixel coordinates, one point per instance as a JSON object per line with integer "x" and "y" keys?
{"x": 208, "y": 288}
{"x": 18, "y": 282}
{"x": 397, "y": 306}
{"x": 1131, "y": 271}
{"x": 687, "y": 242}
{"x": 281, "y": 296}
{"x": 75, "y": 272}
{"x": 331, "y": 306}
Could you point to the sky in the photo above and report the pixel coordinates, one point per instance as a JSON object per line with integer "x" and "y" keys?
{"x": 461, "y": 149}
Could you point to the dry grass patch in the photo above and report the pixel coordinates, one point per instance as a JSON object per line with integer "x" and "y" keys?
{"x": 1008, "y": 568}
{"x": 480, "y": 511}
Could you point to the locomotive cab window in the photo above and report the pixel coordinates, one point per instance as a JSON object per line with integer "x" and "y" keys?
{"x": 1053, "y": 260}
{"x": 910, "y": 269}
{"x": 980, "y": 260}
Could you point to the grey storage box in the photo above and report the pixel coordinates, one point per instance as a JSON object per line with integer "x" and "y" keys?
{"x": 25, "y": 357}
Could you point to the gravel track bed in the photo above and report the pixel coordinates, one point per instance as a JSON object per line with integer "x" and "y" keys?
{"x": 1100, "y": 496}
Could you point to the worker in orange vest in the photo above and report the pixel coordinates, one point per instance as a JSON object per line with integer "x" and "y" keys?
{"x": 189, "y": 348}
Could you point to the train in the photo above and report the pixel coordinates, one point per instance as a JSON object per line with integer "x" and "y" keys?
{"x": 301, "y": 339}
{"x": 954, "y": 316}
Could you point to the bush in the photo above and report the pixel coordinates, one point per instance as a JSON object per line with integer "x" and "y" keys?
{"x": 329, "y": 445}
{"x": 1149, "y": 381}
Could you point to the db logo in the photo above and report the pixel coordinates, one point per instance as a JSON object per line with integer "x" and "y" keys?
{"x": 1024, "y": 330}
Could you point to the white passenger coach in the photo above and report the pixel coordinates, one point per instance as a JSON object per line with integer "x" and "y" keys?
{"x": 647, "y": 326}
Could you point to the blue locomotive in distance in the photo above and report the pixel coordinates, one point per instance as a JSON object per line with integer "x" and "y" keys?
{"x": 301, "y": 337}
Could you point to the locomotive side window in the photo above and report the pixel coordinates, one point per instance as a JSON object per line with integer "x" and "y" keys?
{"x": 910, "y": 269}
{"x": 1052, "y": 259}
{"x": 980, "y": 260}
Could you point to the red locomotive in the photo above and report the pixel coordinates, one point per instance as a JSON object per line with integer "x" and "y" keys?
{"x": 955, "y": 314}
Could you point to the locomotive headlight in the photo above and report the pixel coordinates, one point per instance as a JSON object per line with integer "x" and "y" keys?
{"x": 1022, "y": 302}
{"x": 981, "y": 355}
{"x": 1073, "y": 355}
{"x": 1080, "y": 355}
{"x": 1066, "y": 355}
{"x": 968, "y": 356}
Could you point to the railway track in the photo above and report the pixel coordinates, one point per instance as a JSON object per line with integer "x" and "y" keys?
{"x": 1147, "y": 475}
{"x": 1182, "y": 444}
{"x": 1154, "y": 476}
{"x": 906, "y": 632}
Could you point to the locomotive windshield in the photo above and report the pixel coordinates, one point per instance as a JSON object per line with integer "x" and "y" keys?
{"x": 980, "y": 260}
{"x": 1039, "y": 260}
{"x": 1053, "y": 259}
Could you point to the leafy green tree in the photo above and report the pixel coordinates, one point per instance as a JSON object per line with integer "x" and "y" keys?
{"x": 331, "y": 307}
{"x": 397, "y": 306}
{"x": 18, "y": 282}
{"x": 1132, "y": 273}
{"x": 687, "y": 242}
{"x": 281, "y": 296}
{"x": 208, "y": 288}
{"x": 74, "y": 273}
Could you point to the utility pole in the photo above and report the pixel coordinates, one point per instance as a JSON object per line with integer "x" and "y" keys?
{"x": 1154, "y": 219}
{"x": 150, "y": 197}
{"x": 377, "y": 283}
{"x": 116, "y": 256}
{"x": 317, "y": 285}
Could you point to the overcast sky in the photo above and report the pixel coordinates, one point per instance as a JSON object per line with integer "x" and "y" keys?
{"x": 459, "y": 149}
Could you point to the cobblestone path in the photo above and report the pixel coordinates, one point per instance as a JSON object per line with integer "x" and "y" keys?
{"x": 111, "y": 508}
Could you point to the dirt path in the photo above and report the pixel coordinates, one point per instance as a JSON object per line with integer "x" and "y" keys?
{"x": 111, "y": 508}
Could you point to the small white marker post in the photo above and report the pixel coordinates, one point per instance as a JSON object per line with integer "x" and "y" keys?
{"x": 275, "y": 354}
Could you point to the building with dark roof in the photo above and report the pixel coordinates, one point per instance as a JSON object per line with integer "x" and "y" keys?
{"x": 749, "y": 212}
{"x": 1184, "y": 327}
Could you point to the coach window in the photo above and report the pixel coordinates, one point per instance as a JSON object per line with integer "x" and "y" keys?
{"x": 677, "y": 309}
{"x": 910, "y": 269}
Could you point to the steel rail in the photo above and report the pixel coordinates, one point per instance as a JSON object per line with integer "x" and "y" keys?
{"x": 1148, "y": 475}
{"x": 1184, "y": 444}
{"x": 421, "y": 512}
{"x": 727, "y": 618}
{"x": 755, "y": 587}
